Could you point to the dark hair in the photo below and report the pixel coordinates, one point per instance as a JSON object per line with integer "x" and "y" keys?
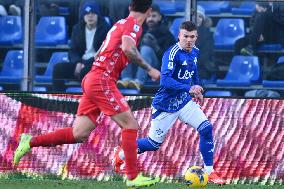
{"x": 188, "y": 25}
{"x": 156, "y": 8}
{"x": 140, "y": 5}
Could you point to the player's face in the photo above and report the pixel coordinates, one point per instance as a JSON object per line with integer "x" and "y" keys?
{"x": 153, "y": 19}
{"x": 187, "y": 39}
{"x": 91, "y": 19}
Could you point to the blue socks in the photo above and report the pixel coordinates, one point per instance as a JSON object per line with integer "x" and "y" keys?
{"x": 206, "y": 144}
{"x": 147, "y": 144}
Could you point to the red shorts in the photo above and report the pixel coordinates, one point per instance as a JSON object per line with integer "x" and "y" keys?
{"x": 100, "y": 94}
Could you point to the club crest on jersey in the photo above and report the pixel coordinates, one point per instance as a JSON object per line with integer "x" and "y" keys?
{"x": 136, "y": 28}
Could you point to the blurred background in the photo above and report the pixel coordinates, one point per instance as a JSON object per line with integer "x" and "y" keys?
{"x": 44, "y": 44}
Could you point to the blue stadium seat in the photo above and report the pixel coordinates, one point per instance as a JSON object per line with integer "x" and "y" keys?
{"x": 218, "y": 93}
{"x": 228, "y": 30}
{"x": 215, "y": 7}
{"x": 74, "y": 90}
{"x": 166, "y": 7}
{"x": 270, "y": 47}
{"x": 243, "y": 71}
{"x": 180, "y": 5}
{"x": 174, "y": 28}
{"x": 56, "y": 57}
{"x": 51, "y": 31}
{"x": 245, "y": 8}
{"x": 11, "y": 32}
{"x": 13, "y": 67}
{"x": 39, "y": 89}
{"x": 271, "y": 83}
{"x": 129, "y": 91}
{"x": 280, "y": 60}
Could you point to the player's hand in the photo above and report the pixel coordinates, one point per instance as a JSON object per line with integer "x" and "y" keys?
{"x": 199, "y": 98}
{"x": 196, "y": 90}
{"x": 154, "y": 74}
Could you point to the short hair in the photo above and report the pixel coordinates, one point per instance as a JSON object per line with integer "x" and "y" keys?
{"x": 188, "y": 25}
{"x": 140, "y": 5}
{"x": 156, "y": 8}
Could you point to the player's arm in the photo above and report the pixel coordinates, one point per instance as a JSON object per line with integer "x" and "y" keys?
{"x": 129, "y": 48}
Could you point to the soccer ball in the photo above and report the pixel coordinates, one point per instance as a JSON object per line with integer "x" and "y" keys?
{"x": 196, "y": 177}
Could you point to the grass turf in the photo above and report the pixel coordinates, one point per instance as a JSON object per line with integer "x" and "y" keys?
{"x": 85, "y": 184}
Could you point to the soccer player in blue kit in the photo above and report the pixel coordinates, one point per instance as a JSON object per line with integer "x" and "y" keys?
{"x": 179, "y": 79}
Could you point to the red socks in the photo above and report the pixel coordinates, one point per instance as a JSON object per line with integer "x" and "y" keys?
{"x": 129, "y": 146}
{"x": 61, "y": 136}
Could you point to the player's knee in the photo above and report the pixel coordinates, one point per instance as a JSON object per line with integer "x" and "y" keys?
{"x": 81, "y": 135}
{"x": 205, "y": 130}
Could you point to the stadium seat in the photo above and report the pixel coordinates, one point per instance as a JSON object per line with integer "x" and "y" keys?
{"x": 215, "y": 7}
{"x": 180, "y": 5}
{"x": 174, "y": 28}
{"x": 129, "y": 91}
{"x": 280, "y": 60}
{"x": 245, "y": 8}
{"x": 74, "y": 90}
{"x": 272, "y": 83}
{"x": 166, "y": 7}
{"x": 51, "y": 31}
{"x": 218, "y": 93}
{"x": 13, "y": 67}
{"x": 270, "y": 47}
{"x": 243, "y": 71}
{"x": 11, "y": 32}
{"x": 228, "y": 30}
{"x": 56, "y": 57}
{"x": 39, "y": 89}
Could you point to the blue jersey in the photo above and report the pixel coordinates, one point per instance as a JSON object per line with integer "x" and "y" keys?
{"x": 178, "y": 72}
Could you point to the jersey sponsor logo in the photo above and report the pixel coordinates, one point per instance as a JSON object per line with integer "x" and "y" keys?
{"x": 170, "y": 65}
{"x": 184, "y": 63}
{"x": 187, "y": 74}
{"x": 136, "y": 28}
{"x": 133, "y": 34}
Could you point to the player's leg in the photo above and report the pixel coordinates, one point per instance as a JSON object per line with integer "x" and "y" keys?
{"x": 160, "y": 125}
{"x": 129, "y": 134}
{"x": 81, "y": 130}
{"x": 194, "y": 116}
